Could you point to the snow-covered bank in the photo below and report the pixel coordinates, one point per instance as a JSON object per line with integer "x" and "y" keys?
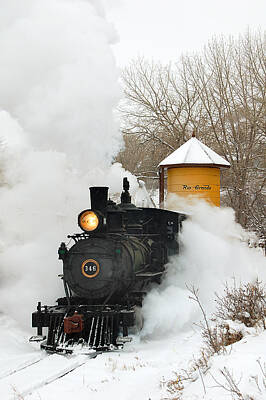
{"x": 237, "y": 374}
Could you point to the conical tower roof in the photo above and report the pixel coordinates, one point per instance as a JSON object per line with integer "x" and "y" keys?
{"x": 192, "y": 153}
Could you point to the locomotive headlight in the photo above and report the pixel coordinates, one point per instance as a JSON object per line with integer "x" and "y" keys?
{"x": 88, "y": 220}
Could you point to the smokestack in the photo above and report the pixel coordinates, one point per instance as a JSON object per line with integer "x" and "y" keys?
{"x": 99, "y": 195}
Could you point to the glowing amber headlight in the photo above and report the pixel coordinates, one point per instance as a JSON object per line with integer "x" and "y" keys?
{"x": 88, "y": 221}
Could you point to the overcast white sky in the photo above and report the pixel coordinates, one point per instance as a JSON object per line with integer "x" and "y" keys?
{"x": 163, "y": 29}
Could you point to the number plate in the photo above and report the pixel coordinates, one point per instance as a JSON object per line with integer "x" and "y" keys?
{"x": 90, "y": 268}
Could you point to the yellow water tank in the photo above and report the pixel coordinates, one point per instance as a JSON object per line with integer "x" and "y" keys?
{"x": 192, "y": 170}
{"x": 203, "y": 182}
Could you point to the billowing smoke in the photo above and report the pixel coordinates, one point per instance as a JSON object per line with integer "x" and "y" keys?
{"x": 58, "y": 89}
{"x": 58, "y": 77}
{"x": 214, "y": 251}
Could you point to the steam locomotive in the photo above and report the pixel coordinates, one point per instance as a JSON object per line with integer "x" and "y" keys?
{"x": 120, "y": 253}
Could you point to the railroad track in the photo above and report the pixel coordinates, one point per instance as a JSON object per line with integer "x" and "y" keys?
{"x": 24, "y": 379}
{"x": 10, "y": 370}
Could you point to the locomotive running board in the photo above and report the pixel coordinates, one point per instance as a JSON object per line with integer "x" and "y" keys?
{"x": 148, "y": 274}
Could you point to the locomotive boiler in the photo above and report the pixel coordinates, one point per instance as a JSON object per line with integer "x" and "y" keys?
{"x": 121, "y": 251}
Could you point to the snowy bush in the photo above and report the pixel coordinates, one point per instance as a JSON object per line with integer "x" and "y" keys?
{"x": 245, "y": 303}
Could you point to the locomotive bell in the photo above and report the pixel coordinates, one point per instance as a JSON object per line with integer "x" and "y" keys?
{"x": 125, "y": 196}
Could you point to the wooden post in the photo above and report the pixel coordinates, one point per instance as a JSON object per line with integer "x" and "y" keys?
{"x": 161, "y": 187}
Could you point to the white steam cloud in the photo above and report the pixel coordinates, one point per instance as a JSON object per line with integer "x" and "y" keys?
{"x": 58, "y": 77}
{"x": 213, "y": 251}
{"x": 58, "y": 89}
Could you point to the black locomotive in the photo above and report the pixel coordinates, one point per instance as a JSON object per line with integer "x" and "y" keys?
{"x": 122, "y": 250}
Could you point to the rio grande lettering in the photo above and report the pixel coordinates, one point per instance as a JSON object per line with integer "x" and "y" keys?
{"x": 197, "y": 187}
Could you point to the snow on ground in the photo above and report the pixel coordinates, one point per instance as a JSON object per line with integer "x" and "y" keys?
{"x": 14, "y": 347}
{"x": 242, "y": 363}
{"x": 134, "y": 373}
{"x": 140, "y": 371}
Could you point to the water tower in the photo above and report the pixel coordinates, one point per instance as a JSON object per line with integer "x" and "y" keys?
{"x": 192, "y": 170}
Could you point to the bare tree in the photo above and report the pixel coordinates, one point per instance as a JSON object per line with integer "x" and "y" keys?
{"x": 228, "y": 80}
{"x": 221, "y": 94}
{"x": 157, "y": 108}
